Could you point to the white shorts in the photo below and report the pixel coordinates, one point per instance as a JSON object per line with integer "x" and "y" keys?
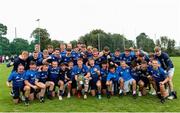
{"x": 170, "y": 72}
{"x": 127, "y": 83}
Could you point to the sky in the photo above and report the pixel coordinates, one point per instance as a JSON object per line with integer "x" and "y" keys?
{"x": 69, "y": 19}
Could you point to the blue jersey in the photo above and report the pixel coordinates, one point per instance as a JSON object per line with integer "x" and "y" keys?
{"x": 165, "y": 61}
{"x": 17, "y": 79}
{"x": 63, "y": 53}
{"x": 55, "y": 58}
{"x": 42, "y": 76}
{"x": 104, "y": 73}
{"x": 89, "y": 55}
{"x": 75, "y": 57}
{"x": 76, "y": 70}
{"x": 105, "y": 58}
{"x": 127, "y": 59}
{"x": 113, "y": 76}
{"x": 53, "y": 74}
{"x": 66, "y": 59}
{"x": 40, "y": 55}
{"x": 158, "y": 74}
{"x": 31, "y": 58}
{"x": 125, "y": 73}
{"x": 116, "y": 59}
{"x": 94, "y": 74}
{"x": 30, "y": 76}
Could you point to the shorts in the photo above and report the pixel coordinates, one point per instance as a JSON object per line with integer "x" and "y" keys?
{"x": 55, "y": 84}
{"x": 74, "y": 84}
{"x": 171, "y": 72}
{"x": 145, "y": 80}
{"x": 92, "y": 84}
{"x": 32, "y": 90}
{"x": 16, "y": 91}
{"x": 127, "y": 83}
{"x": 103, "y": 84}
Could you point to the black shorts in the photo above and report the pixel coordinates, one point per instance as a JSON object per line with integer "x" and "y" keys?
{"x": 55, "y": 84}
{"x": 32, "y": 90}
{"x": 16, "y": 91}
{"x": 103, "y": 84}
{"x": 145, "y": 80}
{"x": 158, "y": 85}
{"x": 74, "y": 84}
{"x": 93, "y": 85}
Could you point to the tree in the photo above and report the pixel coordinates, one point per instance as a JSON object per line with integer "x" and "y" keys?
{"x": 171, "y": 47}
{"x": 4, "y": 46}
{"x": 164, "y": 42}
{"x": 74, "y": 43}
{"x": 4, "y": 42}
{"x": 56, "y": 43}
{"x": 3, "y": 29}
{"x": 18, "y": 45}
{"x": 43, "y": 35}
{"x": 144, "y": 42}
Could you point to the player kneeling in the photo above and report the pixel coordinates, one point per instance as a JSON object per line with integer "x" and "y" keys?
{"x": 161, "y": 78}
{"x": 42, "y": 78}
{"x": 64, "y": 81}
{"x": 82, "y": 77}
{"x": 142, "y": 79}
{"x": 112, "y": 78}
{"x": 53, "y": 76}
{"x": 17, "y": 85}
{"x": 95, "y": 82}
{"x": 32, "y": 85}
{"x": 126, "y": 80}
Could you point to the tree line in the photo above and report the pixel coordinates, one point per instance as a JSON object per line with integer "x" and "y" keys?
{"x": 96, "y": 38}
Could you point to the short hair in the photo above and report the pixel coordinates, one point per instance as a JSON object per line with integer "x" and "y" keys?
{"x": 90, "y": 59}
{"x": 127, "y": 50}
{"x": 58, "y": 49}
{"x": 112, "y": 66}
{"x": 157, "y": 49}
{"x": 106, "y": 48}
{"x": 95, "y": 50}
{"x": 68, "y": 49}
{"x": 45, "y": 64}
{"x": 32, "y": 63}
{"x": 50, "y": 47}
{"x": 79, "y": 59}
{"x": 45, "y": 51}
{"x": 25, "y": 53}
{"x": 35, "y": 52}
{"x": 104, "y": 62}
{"x": 117, "y": 50}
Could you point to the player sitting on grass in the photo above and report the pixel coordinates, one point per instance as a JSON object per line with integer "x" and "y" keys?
{"x": 42, "y": 78}
{"x": 161, "y": 78}
{"x": 33, "y": 84}
{"x": 17, "y": 85}
{"x": 126, "y": 80}
{"x": 95, "y": 82}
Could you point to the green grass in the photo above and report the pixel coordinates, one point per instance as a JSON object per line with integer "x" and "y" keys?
{"x": 115, "y": 104}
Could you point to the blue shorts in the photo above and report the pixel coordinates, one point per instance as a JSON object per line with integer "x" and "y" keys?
{"x": 16, "y": 91}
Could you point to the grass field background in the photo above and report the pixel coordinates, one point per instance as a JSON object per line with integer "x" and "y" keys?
{"x": 115, "y": 104}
